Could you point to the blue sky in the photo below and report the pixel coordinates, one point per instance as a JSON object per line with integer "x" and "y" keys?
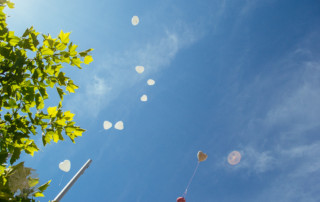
{"x": 230, "y": 75}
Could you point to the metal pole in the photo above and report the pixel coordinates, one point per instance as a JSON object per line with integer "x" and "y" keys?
{"x": 72, "y": 181}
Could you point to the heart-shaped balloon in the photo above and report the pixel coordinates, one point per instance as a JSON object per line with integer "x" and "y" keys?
{"x": 202, "y": 156}
{"x": 151, "y": 82}
{"x": 135, "y": 20}
{"x": 65, "y": 165}
{"x": 119, "y": 125}
{"x": 140, "y": 69}
{"x": 107, "y": 125}
{"x": 144, "y": 98}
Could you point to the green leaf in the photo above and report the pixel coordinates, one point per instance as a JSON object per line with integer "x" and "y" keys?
{"x": 13, "y": 40}
{"x": 44, "y": 140}
{"x": 43, "y": 187}
{"x": 3, "y": 157}
{"x": 52, "y": 111}
{"x": 85, "y": 53}
{"x": 88, "y": 59}
{"x": 12, "y": 104}
{"x": 43, "y": 93}
{"x": 33, "y": 181}
{"x": 62, "y": 79}
{"x": 72, "y": 50}
{"x": 60, "y": 92}
{"x": 39, "y": 101}
{"x": 28, "y": 69}
{"x": 61, "y": 46}
{"x": 34, "y": 35}
{"x": 61, "y": 122}
{"x": 71, "y": 87}
{"x": 31, "y": 148}
{"x": 47, "y": 51}
{"x": 16, "y": 155}
{"x": 55, "y": 136}
{"x": 33, "y": 130}
{"x": 2, "y": 169}
{"x": 10, "y": 4}
{"x": 49, "y": 70}
{"x": 68, "y": 116}
{"x": 49, "y": 42}
{"x": 57, "y": 69}
{"x": 64, "y": 37}
{"x": 77, "y": 62}
{"x": 73, "y": 132}
{"x": 38, "y": 194}
{"x": 51, "y": 82}
{"x": 60, "y": 105}
{"x": 79, "y": 131}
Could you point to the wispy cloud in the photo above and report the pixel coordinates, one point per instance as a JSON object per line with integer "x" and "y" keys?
{"x": 282, "y": 131}
{"x": 116, "y": 73}
{"x": 297, "y": 181}
{"x": 256, "y": 161}
{"x": 250, "y": 5}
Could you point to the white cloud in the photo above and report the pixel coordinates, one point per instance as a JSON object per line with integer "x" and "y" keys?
{"x": 119, "y": 70}
{"x": 281, "y": 134}
{"x": 251, "y": 5}
{"x": 300, "y": 160}
{"x": 299, "y": 108}
{"x": 97, "y": 87}
{"x": 91, "y": 99}
{"x": 255, "y": 161}
{"x": 261, "y": 161}
{"x": 297, "y": 180}
{"x": 305, "y": 159}
{"x": 287, "y": 99}
{"x": 294, "y": 172}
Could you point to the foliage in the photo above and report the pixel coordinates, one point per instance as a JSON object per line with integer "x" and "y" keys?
{"x": 27, "y": 69}
{"x": 21, "y": 183}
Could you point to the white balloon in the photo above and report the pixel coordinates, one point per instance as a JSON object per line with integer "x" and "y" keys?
{"x": 135, "y": 20}
{"x": 140, "y": 69}
{"x": 234, "y": 158}
{"x": 65, "y": 165}
{"x": 107, "y": 125}
{"x": 144, "y": 98}
{"x": 151, "y": 82}
{"x": 119, "y": 125}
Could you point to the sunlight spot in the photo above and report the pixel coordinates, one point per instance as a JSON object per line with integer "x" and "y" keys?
{"x": 135, "y": 20}
{"x": 144, "y": 98}
{"x": 234, "y": 158}
{"x": 119, "y": 125}
{"x": 107, "y": 125}
{"x": 139, "y": 69}
{"x": 151, "y": 82}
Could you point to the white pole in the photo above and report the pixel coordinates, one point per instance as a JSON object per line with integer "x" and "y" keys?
{"x": 72, "y": 181}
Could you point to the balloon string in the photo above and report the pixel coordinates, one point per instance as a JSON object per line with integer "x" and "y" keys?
{"x": 61, "y": 179}
{"x": 195, "y": 170}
